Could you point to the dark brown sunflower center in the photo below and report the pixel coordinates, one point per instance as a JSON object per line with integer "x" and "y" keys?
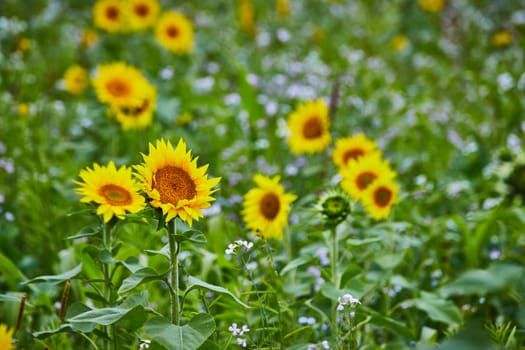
{"x": 174, "y": 184}
{"x": 115, "y": 195}
{"x": 117, "y": 88}
{"x": 112, "y": 13}
{"x": 312, "y": 129}
{"x": 172, "y": 31}
{"x": 135, "y": 111}
{"x": 269, "y": 206}
{"x": 364, "y": 179}
{"x": 352, "y": 154}
{"x": 382, "y": 196}
{"x": 142, "y": 10}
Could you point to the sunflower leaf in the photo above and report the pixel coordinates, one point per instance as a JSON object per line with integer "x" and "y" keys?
{"x": 57, "y": 279}
{"x": 193, "y": 236}
{"x": 194, "y": 282}
{"x": 139, "y": 277}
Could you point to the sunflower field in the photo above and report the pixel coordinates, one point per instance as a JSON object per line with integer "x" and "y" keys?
{"x": 262, "y": 174}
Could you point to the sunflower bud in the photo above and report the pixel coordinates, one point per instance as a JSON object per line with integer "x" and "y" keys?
{"x": 334, "y": 207}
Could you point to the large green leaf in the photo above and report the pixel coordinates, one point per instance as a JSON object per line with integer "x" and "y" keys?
{"x": 57, "y": 279}
{"x": 498, "y": 277}
{"x": 141, "y": 276}
{"x": 194, "y": 282}
{"x": 439, "y": 309}
{"x": 110, "y": 315}
{"x": 187, "y": 337}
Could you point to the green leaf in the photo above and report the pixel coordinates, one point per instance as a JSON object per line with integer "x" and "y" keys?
{"x": 66, "y": 327}
{"x": 389, "y": 261}
{"x": 193, "y": 236}
{"x": 87, "y": 231}
{"x": 332, "y": 293}
{"x": 188, "y": 337}
{"x": 387, "y": 322}
{"x": 292, "y": 265}
{"x": 165, "y": 251}
{"x": 132, "y": 264}
{"x": 438, "y": 309}
{"x": 104, "y": 316}
{"x": 12, "y": 298}
{"x": 57, "y": 279}
{"x": 361, "y": 242}
{"x": 194, "y": 282}
{"x": 10, "y": 272}
{"x": 498, "y": 277}
{"x": 137, "y": 278}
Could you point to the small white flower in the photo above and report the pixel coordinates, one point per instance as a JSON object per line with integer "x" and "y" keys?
{"x": 233, "y": 328}
{"x": 325, "y": 344}
{"x": 340, "y": 307}
{"x": 244, "y": 329}
{"x": 241, "y": 342}
{"x": 144, "y": 344}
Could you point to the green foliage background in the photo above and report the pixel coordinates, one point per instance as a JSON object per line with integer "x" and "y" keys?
{"x": 446, "y": 268}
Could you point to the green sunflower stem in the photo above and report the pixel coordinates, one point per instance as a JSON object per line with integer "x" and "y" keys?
{"x": 335, "y": 278}
{"x": 108, "y": 293}
{"x": 174, "y": 266}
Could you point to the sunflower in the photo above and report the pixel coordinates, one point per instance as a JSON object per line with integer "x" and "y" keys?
{"x": 282, "y": 8}
{"x": 6, "y": 338}
{"x": 266, "y": 207}
{"x": 352, "y": 148}
{"x": 88, "y": 38}
{"x": 399, "y": 43}
{"x": 137, "y": 117}
{"x": 141, "y": 14}
{"x": 379, "y": 197}
{"x": 76, "y": 79}
{"x": 119, "y": 84}
{"x": 108, "y": 15}
{"x": 174, "y": 182}
{"x": 114, "y": 190}
{"x": 360, "y": 173}
{"x": 308, "y": 126}
{"x": 246, "y": 16}
{"x": 501, "y": 38}
{"x": 432, "y": 5}
{"x": 23, "y": 109}
{"x": 175, "y": 32}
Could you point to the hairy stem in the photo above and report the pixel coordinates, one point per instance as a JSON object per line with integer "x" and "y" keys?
{"x": 174, "y": 266}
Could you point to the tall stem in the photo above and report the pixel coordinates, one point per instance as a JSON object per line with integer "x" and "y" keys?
{"x": 108, "y": 245}
{"x": 174, "y": 266}
{"x": 335, "y": 278}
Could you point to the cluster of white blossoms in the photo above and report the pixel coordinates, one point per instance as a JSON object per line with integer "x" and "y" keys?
{"x": 231, "y": 250}
{"x": 239, "y": 332}
{"x": 346, "y": 299}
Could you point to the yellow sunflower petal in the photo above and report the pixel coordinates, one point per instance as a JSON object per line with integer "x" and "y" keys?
{"x": 113, "y": 190}
{"x": 351, "y": 148}
{"x": 266, "y": 207}
{"x": 379, "y": 197}
{"x": 174, "y": 182}
{"x": 108, "y": 15}
{"x": 309, "y": 128}
{"x": 360, "y": 173}
{"x": 174, "y": 32}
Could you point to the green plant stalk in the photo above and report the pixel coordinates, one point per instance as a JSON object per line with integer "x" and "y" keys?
{"x": 335, "y": 278}
{"x": 174, "y": 266}
{"x": 108, "y": 245}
